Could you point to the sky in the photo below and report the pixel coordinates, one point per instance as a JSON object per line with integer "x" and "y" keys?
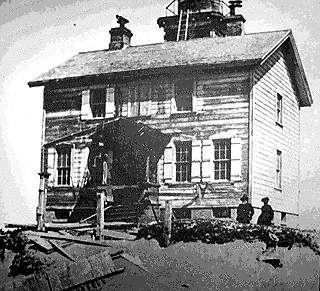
{"x": 35, "y": 36}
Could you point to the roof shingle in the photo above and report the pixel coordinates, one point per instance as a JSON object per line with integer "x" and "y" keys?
{"x": 202, "y": 51}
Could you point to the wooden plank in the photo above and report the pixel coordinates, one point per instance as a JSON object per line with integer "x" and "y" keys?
{"x": 41, "y": 242}
{"x": 61, "y": 251}
{"x": 68, "y": 238}
{"x": 93, "y": 215}
{"x": 17, "y": 225}
{"x": 117, "y": 234}
{"x": 68, "y": 225}
{"x": 134, "y": 260}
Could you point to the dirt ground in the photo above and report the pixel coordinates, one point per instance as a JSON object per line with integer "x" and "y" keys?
{"x": 198, "y": 266}
{"x": 232, "y": 266}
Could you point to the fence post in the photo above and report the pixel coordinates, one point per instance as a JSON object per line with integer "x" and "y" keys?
{"x": 168, "y": 222}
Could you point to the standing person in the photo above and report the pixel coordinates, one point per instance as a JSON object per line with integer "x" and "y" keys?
{"x": 245, "y": 210}
{"x": 267, "y": 213}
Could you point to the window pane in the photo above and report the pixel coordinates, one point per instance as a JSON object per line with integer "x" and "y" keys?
{"x": 183, "y": 95}
{"x": 222, "y": 159}
{"x": 183, "y": 161}
{"x": 64, "y": 163}
{"x": 98, "y": 102}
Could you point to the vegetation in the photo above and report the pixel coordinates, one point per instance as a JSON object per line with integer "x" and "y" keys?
{"x": 25, "y": 261}
{"x": 220, "y": 232}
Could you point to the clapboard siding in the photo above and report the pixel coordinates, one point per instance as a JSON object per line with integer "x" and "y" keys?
{"x": 269, "y": 79}
{"x": 221, "y": 105}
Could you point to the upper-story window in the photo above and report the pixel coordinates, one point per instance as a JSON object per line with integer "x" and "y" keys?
{"x": 183, "y": 161}
{"x": 98, "y": 102}
{"x": 279, "y": 110}
{"x": 222, "y": 159}
{"x": 64, "y": 166}
{"x": 183, "y": 92}
{"x": 139, "y": 99}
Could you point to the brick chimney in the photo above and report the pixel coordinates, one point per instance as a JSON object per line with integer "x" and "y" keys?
{"x": 234, "y": 23}
{"x": 120, "y": 36}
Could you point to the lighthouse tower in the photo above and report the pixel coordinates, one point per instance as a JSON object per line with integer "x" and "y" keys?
{"x": 201, "y": 18}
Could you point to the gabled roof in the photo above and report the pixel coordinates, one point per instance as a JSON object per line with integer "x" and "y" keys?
{"x": 248, "y": 49}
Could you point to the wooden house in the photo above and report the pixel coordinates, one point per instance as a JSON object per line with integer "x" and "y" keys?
{"x": 229, "y": 100}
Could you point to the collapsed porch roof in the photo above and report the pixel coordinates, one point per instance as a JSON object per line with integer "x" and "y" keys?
{"x": 123, "y": 132}
{"x": 130, "y": 135}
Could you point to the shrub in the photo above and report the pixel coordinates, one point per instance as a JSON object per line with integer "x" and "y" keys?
{"x": 220, "y": 232}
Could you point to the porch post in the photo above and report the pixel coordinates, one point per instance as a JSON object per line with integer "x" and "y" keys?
{"x": 41, "y": 209}
{"x": 168, "y": 222}
{"x": 100, "y": 214}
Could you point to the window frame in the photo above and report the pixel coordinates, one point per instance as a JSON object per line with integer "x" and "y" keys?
{"x": 101, "y": 104}
{"x": 278, "y": 169}
{"x": 66, "y": 168}
{"x": 183, "y": 82}
{"x": 137, "y": 92}
{"x": 183, "y": 163}
{"x": 279, "y": 109}
{"x": 226, "y": 160}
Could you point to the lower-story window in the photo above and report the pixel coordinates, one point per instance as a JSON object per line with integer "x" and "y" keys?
{"x": 183, "y": 161}
{"x": 279, "y": 169}
{"x": 222, "y": 159}
{"x": 64, "y": 166}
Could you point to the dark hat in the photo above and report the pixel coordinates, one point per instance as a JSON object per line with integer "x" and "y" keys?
{"x": 265, "y": 199}
{"x": 244, "y": 198}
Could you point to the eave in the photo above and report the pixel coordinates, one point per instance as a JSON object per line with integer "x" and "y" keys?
{"x": 298, "y": 73}
{"x": 171, "y": 70}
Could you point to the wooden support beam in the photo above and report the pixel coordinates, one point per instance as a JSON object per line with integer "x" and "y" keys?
{"x": 168, "y": 222}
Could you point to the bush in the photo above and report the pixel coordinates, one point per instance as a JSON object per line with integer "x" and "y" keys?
{"x": 27, "y": 263}
{"x": 220, "y": 232}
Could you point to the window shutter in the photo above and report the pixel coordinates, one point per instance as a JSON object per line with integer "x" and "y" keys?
{"x": 196, "y": 159}
{"x": 144, "y": 98}
{"x": 207, "y": 167}
{"x": 110, "y": 106}
{"x": 80, "y": 159}
{"x": 133, "y": 104}
{"x": 51, "y": 165}
{"x": 86, "y": 112}
{"x": 194, "y": 97}
{"x": 235, "y": 159}
{"x": 168, "y": 164}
